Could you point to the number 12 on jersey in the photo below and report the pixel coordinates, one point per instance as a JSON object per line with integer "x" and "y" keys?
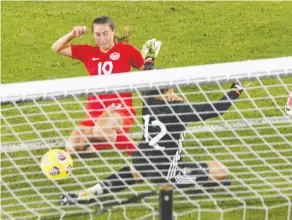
{"x": 153, "y": 141}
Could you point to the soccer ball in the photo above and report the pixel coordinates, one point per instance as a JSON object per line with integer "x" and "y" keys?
{"x": 288, "y": 106}
{"x": 57, "y": 164}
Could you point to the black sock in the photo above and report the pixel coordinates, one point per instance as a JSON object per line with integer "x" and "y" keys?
{"x": 118, "y": 181}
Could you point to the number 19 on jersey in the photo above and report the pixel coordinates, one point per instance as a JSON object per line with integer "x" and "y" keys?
{"x": 105, "y": 68}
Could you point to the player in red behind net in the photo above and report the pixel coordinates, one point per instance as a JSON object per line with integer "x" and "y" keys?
{"x": 288, "y": 106}
{"x": 109, "y": 117}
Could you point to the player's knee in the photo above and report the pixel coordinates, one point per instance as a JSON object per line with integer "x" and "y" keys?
{"x": 76, "y": 141}
{"x": 72, "y": 146}
{"x": 110, "y": 119}
{"x": 217, "y": 171}
{"x": 107, "y": 125}
{"x": 69, "y": 146}
{"x": 104, "y": 134}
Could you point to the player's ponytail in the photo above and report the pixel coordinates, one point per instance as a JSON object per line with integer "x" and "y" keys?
{"x": 124, "y": 35}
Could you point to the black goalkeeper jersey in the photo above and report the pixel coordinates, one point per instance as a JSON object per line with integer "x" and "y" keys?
{"x": 165, "y": 121}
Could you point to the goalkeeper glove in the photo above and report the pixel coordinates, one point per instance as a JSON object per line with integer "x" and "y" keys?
{"x": 151, "y": 48}
{"x": 237, "y": 87}
{"x": 150, "y": 52}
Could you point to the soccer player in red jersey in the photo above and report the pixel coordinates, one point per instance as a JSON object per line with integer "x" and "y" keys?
{"x": 110, "y": 116}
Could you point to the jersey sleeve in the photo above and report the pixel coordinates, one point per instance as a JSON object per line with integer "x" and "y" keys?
{"x": 201, "y": 112}
{"x": 137, "y": 61}
{"x": 80, "y": 51}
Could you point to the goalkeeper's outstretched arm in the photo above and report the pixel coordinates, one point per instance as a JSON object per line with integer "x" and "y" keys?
{"x": 201, "y": 112}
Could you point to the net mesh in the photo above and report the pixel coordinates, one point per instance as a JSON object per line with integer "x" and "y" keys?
{"x": 252, "y": 139}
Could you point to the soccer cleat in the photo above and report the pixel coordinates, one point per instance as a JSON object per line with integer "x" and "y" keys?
{"x": 151, "y": 48}
{"x": 84, "y": 197}
{"x": 69, "y": 199}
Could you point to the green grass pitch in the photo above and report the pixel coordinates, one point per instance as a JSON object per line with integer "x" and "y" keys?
{"x": 192, "y": 33}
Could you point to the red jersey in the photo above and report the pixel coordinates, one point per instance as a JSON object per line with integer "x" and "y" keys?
{"x": 118, "y": 59}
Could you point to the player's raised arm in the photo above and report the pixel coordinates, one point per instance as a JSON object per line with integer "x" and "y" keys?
{"x": 62, "y": 45}
{"x": 198, "y": 112}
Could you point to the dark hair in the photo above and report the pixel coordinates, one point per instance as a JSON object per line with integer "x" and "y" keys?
{"x": 154, "y": 92}
{"x": 104, "y": 20}
{"x": 124, "y": 37}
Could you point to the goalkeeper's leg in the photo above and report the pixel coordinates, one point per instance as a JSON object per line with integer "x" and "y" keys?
{"x": 116, "y": 182}
{"x": 211, "y": 174}
{"x": 206, "y": 174}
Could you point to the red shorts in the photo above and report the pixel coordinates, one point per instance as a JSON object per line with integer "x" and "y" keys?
{"x": 122, "y": 142}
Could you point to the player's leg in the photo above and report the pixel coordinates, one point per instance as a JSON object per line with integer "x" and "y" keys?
{"x": 123, "y": 142}
{"x": 210, "y": 174}
{"x": 107, "y": 125}
{"x": 113, "y": 126}
{"x": 116, "y": 182}
{"x": 103, "y": 133}
{"x": 79, "y": 139}
{"x": 217, "y": 171}
{"x": 218, "y": 175}
{"x": 288, "y": 106}
{"x": 103, "y": 130}
{"x": 119, "y": 180}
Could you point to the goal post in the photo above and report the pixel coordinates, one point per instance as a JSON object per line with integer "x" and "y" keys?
{"x": 252, "y": 139}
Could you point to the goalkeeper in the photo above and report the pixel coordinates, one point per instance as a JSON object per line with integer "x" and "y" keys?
{"x": 158, "y": 157}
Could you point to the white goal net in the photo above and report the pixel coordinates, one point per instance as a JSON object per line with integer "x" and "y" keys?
{"x": 252, "y": 139}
